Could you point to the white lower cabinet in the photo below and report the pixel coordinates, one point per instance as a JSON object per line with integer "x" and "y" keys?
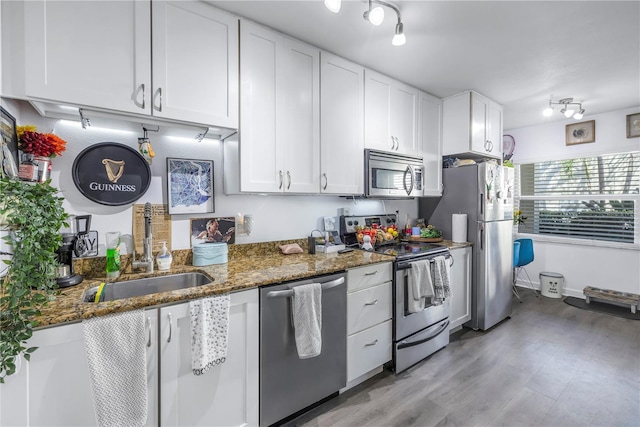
{"x": 54, "y": 388}
{"x": 369, "y": 325}
{"x": 460, "y": 287}
{"x": 226, "y": 395}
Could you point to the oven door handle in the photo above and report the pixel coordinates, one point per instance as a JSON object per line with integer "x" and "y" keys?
{"x": 406, "y": 344}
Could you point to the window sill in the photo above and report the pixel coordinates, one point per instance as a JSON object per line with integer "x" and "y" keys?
{"x": 578, "y": 242}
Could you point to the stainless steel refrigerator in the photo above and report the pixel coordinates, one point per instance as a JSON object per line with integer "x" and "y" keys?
{"x": 484, "y": 192}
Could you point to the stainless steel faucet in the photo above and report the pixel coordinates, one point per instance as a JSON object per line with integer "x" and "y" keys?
{"x": 146, "y": 261}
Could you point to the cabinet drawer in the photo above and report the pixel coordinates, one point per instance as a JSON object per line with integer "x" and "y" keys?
{"x": 368, "y": 307}
{"x": 371, "y": 275}
{"x": 368, "y": 349}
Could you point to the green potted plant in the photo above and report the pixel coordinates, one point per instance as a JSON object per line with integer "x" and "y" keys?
{"x": 31, "y": 216}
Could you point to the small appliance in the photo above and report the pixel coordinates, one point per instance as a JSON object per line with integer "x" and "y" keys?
{"x": 392, "y": 175}
{"x": 71, "y": 245}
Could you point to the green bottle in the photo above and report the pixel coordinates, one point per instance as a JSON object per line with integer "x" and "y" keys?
{"x": 113, "y": 254}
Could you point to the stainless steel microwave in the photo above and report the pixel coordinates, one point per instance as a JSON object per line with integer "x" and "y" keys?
{"x": 392, "y": 175}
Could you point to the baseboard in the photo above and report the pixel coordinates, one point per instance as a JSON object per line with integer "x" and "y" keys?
{"x": 362, "y": 378}
{"x": 565, "y": 292}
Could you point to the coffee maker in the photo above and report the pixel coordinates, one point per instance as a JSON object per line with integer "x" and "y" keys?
{"x": 72, "y": 238}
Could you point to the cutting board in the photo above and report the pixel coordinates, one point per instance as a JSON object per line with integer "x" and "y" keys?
{"x": 160, "y": 227}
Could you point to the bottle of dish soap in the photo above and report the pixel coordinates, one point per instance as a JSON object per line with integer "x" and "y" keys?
{"x": 164, "y": 258}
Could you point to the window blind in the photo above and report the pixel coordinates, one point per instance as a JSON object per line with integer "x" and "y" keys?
{"x": 587, "y": 198}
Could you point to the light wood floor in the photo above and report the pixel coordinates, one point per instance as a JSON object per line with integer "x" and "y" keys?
{"x": 549, "y": 365}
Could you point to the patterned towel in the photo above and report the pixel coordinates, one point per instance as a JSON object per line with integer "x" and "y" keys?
{"x": 209, "y": 332}
{"x": 441, "y": 275}
{"x": 115, "y": 347}
{"x": 307, "y": 319}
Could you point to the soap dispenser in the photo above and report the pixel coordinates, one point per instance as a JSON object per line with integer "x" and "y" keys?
{"x": 164, "y": 258}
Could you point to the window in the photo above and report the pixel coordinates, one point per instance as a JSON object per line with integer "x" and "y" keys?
{"x": 592, "y": 198}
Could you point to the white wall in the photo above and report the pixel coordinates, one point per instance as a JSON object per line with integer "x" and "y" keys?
{"x": 274, "y": 217}
{"x": 581, "y": 263}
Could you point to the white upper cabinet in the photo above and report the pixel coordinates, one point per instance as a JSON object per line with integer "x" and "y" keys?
{"x": 430, "y": 143}
{"x": 95, "y": 54}
{"x": 279, "y": 106}
{"x": 472, "y": 124}
{"x": 390, "y": 114}
{"x": 99, "y": 55}
{"x": 342, "y": 126}
{"x": 195, "y": 63}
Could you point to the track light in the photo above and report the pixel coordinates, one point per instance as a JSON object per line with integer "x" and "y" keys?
{"x": 568, "y": 108}
{"x": 333, "y": 5}
{"x": 399, "y": 39}
{"x": 375, "y": 15}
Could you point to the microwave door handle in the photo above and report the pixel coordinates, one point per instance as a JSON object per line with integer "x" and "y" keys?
{"x": 408, "y": 171}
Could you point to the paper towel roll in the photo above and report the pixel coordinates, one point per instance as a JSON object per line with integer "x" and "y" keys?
{"x": 459, "y": 228}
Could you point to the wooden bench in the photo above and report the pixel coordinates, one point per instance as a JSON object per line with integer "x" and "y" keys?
{"x": 608, "y": 295}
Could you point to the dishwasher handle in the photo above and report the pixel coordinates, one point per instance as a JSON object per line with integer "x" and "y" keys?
{"x": 289, "y": 292}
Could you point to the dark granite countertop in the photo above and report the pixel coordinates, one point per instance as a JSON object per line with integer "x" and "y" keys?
{"x": 243, "y": 271}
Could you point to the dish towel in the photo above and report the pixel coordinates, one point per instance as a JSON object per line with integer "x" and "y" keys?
{"x": 307, "y": 319}
{"x": 209, "y": 332}
{"x": 420, "y": 285}
{"x": 441, "y": 274}
{"x": 116, "y": 353}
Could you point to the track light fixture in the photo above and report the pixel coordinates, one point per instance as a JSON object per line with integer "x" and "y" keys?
{"x": 375, "y": 15}
{"x": 569, "y": 108}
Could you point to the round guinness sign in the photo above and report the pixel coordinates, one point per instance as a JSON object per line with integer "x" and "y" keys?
{"x": 111, "y": 174}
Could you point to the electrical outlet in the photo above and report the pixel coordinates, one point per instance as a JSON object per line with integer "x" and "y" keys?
{"x": 329, "y": 223}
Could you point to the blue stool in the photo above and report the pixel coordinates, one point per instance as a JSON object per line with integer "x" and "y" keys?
{"x": 525, "y": 257}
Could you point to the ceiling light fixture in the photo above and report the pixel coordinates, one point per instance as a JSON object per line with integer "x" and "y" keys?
{"x": 568, "y": 108}
{"x": 333, "y": 5}
{"x": 375, "y": 15}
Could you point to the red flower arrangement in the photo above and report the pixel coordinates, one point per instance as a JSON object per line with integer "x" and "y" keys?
{"x": 39, "y": 144}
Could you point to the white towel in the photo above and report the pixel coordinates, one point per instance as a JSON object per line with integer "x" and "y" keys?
{"x": 115, "y": 346}
{"x": 441, "y": 274}
{"x": 420, "y": 285}
{"x": 209, "y": 332}
{"x": 307, "y": 319}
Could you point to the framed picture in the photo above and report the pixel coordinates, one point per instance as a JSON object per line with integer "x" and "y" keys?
{"x": 213, "y": 230}
{"x": 581, "y": 133}
{"x": 9, "y": 153}
{"x": 190, "y": 186}
{"x": 633, "y": 125}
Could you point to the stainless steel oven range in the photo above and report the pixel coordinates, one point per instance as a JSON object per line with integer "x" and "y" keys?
{"x": 415, "y": 335}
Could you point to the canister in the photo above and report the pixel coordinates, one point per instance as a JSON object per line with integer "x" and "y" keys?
{"x": 210, "y": 253}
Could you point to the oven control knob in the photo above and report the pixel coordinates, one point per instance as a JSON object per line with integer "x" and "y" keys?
{"x": 389, "y": 220}
{"x": 355, "y": 222}
{"x": 349, "y": 223}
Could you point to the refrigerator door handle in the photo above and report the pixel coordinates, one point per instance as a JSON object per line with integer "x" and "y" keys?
{"x": 481, "y": 204}
{"x": 481, "y": 237}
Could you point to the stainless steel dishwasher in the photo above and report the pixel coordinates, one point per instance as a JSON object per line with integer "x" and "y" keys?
{"x": 289, "y": 384}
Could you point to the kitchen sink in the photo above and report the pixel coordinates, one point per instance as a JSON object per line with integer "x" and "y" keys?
{"x": 150, "y": 285}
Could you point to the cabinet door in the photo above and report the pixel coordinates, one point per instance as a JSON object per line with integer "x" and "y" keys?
{"x": 54, "y": 387}
{"x": 495, "y": 129}
{"x": 195, "y": 63}
{"x": 404, "y": 114}
{"x": 95, "y": 53}
{"x": 342, "y": 126}
{"x": 460, "y": 287}
{"x": 479, "y": 119}
{"x": 430, "y": 143}
{"x": 226, "y": 395}
{"x": 261, "y": 168}
{"x": 377, "y": 111}
{"x": 299, "y": 118}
